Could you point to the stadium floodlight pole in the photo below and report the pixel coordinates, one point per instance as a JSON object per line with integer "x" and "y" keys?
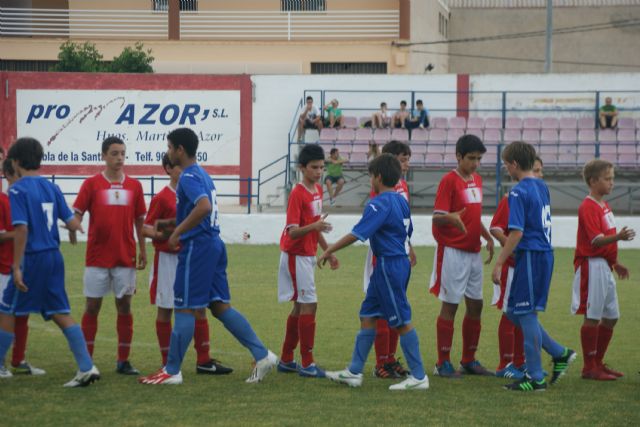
{"x": 549, "y": 33}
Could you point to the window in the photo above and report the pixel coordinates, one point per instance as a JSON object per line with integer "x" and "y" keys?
{"x": 25, "y": 65}
{"x": 443, "y": 25}
{"x": 303, "y": 5}
{"x": 348, "y": 68}
{"x": 184, "y": 4}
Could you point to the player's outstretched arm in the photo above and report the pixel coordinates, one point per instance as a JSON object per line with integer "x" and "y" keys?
{"x": 625, "y": 234}
{"x": 320, "y": 225}
{"x": 505, "y": 253}
{"x": 333, "y": 261}
{"x": 346, "y": 240}
{"x": 7, "y": 235}
{"x": 451, "y": 218}
{"x": 499, "y": 235}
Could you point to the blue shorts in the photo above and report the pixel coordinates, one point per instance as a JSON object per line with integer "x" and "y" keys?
{"x": 201, "y": 275}
{"x": 43, "y": 273}
{"x": 387, "y": 292}
{"x": 531, "y": 282}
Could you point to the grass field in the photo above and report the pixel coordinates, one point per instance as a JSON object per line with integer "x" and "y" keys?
{"x": 290, "y": 400}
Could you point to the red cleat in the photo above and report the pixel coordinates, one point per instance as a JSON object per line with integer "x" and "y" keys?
{"x": 598, "y": 375}
{"x": 161, "y": 377}
{"x": 610, "y": 371}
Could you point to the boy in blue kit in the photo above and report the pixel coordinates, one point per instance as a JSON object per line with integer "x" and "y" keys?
{"x": 386, "y": 222}
{"x": 530, "y": 237}
{"x": 201, "y": 278}
{"x": 37, "y": 283}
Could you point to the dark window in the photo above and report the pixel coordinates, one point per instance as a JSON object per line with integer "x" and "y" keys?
{"x": 25, "y": 65}
{"x": 303, "y": 5}
{"x": 184, "y": 4}
{"x": 348, "y": 68}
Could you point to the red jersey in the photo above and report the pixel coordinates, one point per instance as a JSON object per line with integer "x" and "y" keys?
{"x": 113, "y": 208}
{"x": 6, "y": 247}
{"x": 500, "y": 221}
{"x": 401, "y": 188}
{"x": 595, "y": 220}
{"x": 162, "y": 206}
{"x": 455, "y": 193}
{"x": 304, "y": 208}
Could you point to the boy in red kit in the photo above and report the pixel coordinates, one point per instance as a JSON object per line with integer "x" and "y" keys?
{"x": 594, "y": 288}
{"x": 299, "y": 244}
{"x": 158, "y": 226}
{"x": 386, "y": 342}
{"x": 457, "y": 266}
{"x": 116, "y": 207}
{"x": 510, "y": 339}
{"x": 21, "y": 329}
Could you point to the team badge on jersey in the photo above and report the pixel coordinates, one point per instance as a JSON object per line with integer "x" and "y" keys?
{"x": 473, "y": 195}
{"x": 609, "y": 221}
{"x": 316, "y": 206}
{"x": 116, "y": 197}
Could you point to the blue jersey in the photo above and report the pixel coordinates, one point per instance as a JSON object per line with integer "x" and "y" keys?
{"x": 194, "y": 184}
{"x": 530, "y": 212}
{"x": 386, "y": 222}
{"x": 38, "y": 204}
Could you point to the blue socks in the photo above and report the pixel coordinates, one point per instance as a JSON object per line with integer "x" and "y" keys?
{"x": 181, "y": 336}
{"x": 78, "y": 347}
{"x": 243, "y": 332}
{"x": 364, "y": 342}
{"x": 411, "y": 349}
{"x": 550, "y": 346}
{"x": 535, "y": 339}
{"x": 6, "y": 339}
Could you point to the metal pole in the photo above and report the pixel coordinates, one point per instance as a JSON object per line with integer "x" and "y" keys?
{"x": 548, "y": 47}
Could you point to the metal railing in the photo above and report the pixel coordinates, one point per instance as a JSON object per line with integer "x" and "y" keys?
{"x": 276, "y": 174}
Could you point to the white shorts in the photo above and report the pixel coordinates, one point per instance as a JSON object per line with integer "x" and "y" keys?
{"x": 368, "y": 270}
{"x": 499, "y": 295}
{"x": 601, "y": 296}
{"x": 99, "y": 282}
{"x": 456, "y": 273}
{"x": 4, "y": 281}
{"x": 295, "y": 279}
{"x": 161, "y": 279}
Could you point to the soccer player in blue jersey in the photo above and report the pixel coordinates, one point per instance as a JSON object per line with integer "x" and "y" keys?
{"x": 201, "y": 277}
{"x": 37, "y": 283}
{"x": 530, "y": 238}
{"x": 386, "y": 222}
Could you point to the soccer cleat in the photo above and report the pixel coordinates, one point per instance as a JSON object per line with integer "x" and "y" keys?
{"x": 385, "y": 371}
{"x": 345, "y": 377}
{"x": 598, "y": 374}
{"x": 288, "y": 367}
{"x": 410, "y": 383}
{"x": 161, "y": 377}
{"x": 561, "y": 364}
{"x": 5, "y": 373}
{"x": 475, "y": 368}
{"x": 213, "y": 367}
{"x": 25, "y": 368}
{"x": 523, "y": 368}
{"x": 83, "y": 379}
{"x": 126, "y": 368}
{"x": 610, "y": 371}
{"x": 312, "y": 371}
{"x": 446, "y": 370}
{"x": 262, "y": 368}
{"x": 510, "y": 371}
{"x": 399, "y": 369}
{"x": 527, "y": 384}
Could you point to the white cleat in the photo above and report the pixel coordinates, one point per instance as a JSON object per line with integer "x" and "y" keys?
{"x": 262, "y": 368}
{"x": 162, "y": 377}
{"x": 26, "y": 368}
{"x": 5, "y": 373}
{"x": 412, "y": 384}
{"x": 345, "y": 377}
{"x": 83, "y": 379}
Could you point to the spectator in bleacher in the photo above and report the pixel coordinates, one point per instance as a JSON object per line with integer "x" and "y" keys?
{"x": 608, "y": 115}
{"x": 401, "y": 116}
{"x": 334, "y": 174}
{"x": 374, "y": 151}
{"x": 334, "y": 116}
{"x": 420, "y": 117}
{"x": 309, "y": 118}
{"x": 381, "y": 119}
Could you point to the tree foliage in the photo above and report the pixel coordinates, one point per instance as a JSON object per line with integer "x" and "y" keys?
{"x": 75, "y": 57}
{"x": 133, "y": 60}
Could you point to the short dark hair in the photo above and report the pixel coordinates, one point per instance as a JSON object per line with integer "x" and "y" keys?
{"x": 594, "y": 169}
{"x": 520, "y": 152}
{"x": 7, "y": 167}
{"x": 108, "y": 142}
{"x": 383, "y": 104}
{"x": 309, "y": 98}
{"x": 333, "y": 150}
{"x": 388, "y": 167}
{"x": 166, "y": 162}
{"x": 28, "y": 152}
{"x": 469, "y": 144}
{"x": 419, "y": 102}
{"x": 186, "y": 138}
{"x": 403, "y": 102}
{"x": 309, "y": 153}
{"x": 538, "y": 159}
{"x": 396, "y": 148}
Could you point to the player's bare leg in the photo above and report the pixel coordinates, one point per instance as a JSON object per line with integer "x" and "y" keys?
{"x": 125, "y": 335}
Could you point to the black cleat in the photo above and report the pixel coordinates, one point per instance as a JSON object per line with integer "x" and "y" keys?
{"x": 213, "y": 367}
{"x": 527, "y": 384}
{"x": 561, "y": 364}
{"x": 125, "y": 368}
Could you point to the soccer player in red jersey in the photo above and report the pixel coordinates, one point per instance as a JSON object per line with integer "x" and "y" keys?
{"x": 158, "y": 226}
{"x": 510, "y": 339}
{"x": 116, "y": 207}
{"x": 299, "y": 244}
{"x": 457, "y": 266}
{"x": 386, "y": 342}
{"x": 594, "y": 288}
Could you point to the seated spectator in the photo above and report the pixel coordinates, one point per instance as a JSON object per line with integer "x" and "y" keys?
{"x": 401, "y": 116}
{"x": 334, "y": 174}
{"x": 608, "y": 115}
{"x": 309, "y": 118}
{"x": 374, "y": 151}
{"x": 381, "y": 119}
{"x": 420, "y": 118}
{"x": 334, "y": 115}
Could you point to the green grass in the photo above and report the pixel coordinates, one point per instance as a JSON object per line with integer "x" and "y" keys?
{"x": 290, "y": 400}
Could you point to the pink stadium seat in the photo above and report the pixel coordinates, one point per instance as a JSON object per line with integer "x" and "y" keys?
{"x": 345, "y": 156}
{"x": 417, "y": 159}
{"x": 491, "y": 156}
{"x": 439, "y": 123}
{"x": 608, "y": 149}
{"x": 418, "y": 149}
{"x": 350, "y": 122}
{"x": 627, "y": 136}
{"x": 531, "y": 136}
{"x": 627, "y": 149}
{"x": 612, "y": 157}
{"x": 531, "y": 123}
{"x": 454, "y": 134}
{"x": 607, "y": 135}
{"x": 493, "y": 123}
{"x": 548, "y": 136}
{"x": 568, "y": 123}
{"x": 358, "y": 158}
{"x": 637, "y": 123}
{"x": 475, "y": 131}
{"x": 587, "y": 136}
{"x": 433, "y": 159}
{"x": 435, "y": 148}
{"x": 549, "y": 160}
{"x": 568, "y": 159}
{"x": 513, "y": 123}
{"x": 344, "y": 146}
{"x": 360, "y": 147}
{"x": 364, "y": 134}
{"x": 450, "y": 160}
{"x": 475, "y": 123}
{"x": 328, "y": 134}
{"x": 326, "y": 146}
{"x": 511, "y": 135}
{"x": 586, "y": 123}
{"x": 584, "y": 158}
{"x": 400, "y": 134}
{"x": 492, "y": 136}
{"x": 550, "y": 123}
{"x": 419, "y": 134}
{"x": 587, "y": 149}
{"x": 346, "y": 134}
{"x": 438, "y": 135}
{"x": 627, "y": 160}
{"x": 457, "y": 123}
{"x": 568, "y": 148}
{"x": 363, "y": 120}
{"x": 381, "y": 135}
{"x": 568, "y": 136}
{"x": 548, "y": 149}
{"x": 626, "y": 123}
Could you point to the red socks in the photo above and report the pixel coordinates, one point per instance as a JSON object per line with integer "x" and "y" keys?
{"x": 290, "y": 339}
{"x": 163, "y": 331}
{"x": 20, "y": 341}
{"x": 381, "y": 343}
{"x": 470, "y": 338}
{"x": 393, "y": 344}
{"x": 506, "y": 338}
{"x": 518, "y": 347}
{"x": 589, "y": 339}
{"x": 604, "y": 337}
{"x": 89, "y": 329}
{"x": 201, "y": 341}
{"x": 307, "y": 332}
{"x": 125, "y": 335}
{"x": 444, "y": 333}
